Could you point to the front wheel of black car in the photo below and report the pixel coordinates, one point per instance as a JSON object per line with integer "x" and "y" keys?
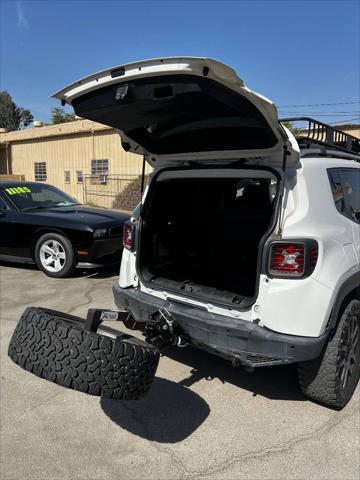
{"x": 54, "y": 255}
{"x": 332, "y": 378}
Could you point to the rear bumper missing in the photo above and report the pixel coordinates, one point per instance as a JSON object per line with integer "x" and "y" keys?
{"x": 238, "y": 340}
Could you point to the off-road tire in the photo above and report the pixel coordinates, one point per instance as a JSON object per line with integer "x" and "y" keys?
{"x": 69, "y": 265}
{"x": 320, "y": 379}
{"x": 56, "y": 347}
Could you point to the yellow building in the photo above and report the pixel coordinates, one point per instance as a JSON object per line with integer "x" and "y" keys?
{"x": 83, "y": 158}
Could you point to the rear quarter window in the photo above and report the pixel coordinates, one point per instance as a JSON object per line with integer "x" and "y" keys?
{"x": 345, "y": 187}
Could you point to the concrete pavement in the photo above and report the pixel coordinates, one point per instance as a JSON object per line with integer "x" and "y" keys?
{"x": 202, "y": 418}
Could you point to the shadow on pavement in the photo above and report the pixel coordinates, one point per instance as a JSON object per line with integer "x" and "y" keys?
{"x": 277, "y": 383}
{"x": 168, "y": 414}
{"x": 24, "y": 266}
{"x": 102, "y": 272}
{"x": 98, "y": 272}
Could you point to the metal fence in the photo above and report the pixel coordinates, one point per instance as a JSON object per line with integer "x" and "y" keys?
{"x": 102, "y": 190}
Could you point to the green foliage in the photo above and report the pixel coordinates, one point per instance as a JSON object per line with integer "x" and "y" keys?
{"x": 13, "y": 117}
{"x": 295, "y": 131}
{"x": 58, "y": 115}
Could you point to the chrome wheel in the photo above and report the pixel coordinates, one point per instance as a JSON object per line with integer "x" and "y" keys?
{"x": 52, "y": 256}
{"x": 348, "y": 351}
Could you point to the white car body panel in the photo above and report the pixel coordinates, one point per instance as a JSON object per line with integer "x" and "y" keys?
{"x": 295, "y": 306}
{"x": 298, "y": 306}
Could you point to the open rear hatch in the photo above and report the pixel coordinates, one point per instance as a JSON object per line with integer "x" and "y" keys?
{"x": 182, "y": 108}
{"x": 201, "y": 234}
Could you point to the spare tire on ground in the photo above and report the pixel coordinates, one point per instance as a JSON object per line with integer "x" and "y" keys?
{"x": 56, "y": 346}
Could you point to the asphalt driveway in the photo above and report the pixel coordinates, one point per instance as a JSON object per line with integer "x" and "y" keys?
{"x": 202, "y": 418}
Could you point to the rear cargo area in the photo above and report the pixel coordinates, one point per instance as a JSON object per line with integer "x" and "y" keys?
{"x": 201, "y": 232}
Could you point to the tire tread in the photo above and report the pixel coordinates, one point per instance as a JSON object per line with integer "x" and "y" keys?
{"x": 47, "y": 345}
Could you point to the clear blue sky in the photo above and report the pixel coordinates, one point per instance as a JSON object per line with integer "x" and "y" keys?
{"x": 294, "y": 52}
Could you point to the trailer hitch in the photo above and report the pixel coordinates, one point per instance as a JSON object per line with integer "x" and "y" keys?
{"x": 95, "y": 316}
{"x": 160, "y": 330}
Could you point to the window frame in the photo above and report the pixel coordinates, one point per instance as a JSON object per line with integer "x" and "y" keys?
{"x": 346, "y": 213}
{"x": 81, "y": 175}
{"x": 40, "y": 165}
{"x": 94, "y": 167}
{"x": 67, "y": 180}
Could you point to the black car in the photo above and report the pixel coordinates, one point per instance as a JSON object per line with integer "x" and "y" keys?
{"x": 40, "y": 223}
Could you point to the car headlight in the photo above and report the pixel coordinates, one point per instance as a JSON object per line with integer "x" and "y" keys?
{"x": 100, "y": 233}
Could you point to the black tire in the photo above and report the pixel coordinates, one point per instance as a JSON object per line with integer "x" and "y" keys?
{"x": 56, "y": 347}
{"x": 67, "y": 250}
{"x": 322, "y": 379}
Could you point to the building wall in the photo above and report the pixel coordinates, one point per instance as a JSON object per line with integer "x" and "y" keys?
{"x": 72, "y": 151}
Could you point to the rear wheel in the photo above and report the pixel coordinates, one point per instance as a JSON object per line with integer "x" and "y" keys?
{"x": 332, "y": 378}
{"x": 54, "y": 255}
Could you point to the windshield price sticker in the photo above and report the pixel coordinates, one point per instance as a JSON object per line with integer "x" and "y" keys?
{"x": 17, "y": 190}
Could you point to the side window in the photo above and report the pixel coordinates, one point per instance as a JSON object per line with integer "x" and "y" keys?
{"x": 337, "y": 191}
{"x": 79, "y": 176}
{"x": 350, "y": 180}
{"x": 99, "y": 167}
{"x": 345, "y": 186}
{"x": 40, "y": 171}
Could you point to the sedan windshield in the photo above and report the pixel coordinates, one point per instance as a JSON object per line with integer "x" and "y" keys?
{"x": 36, "y": 196}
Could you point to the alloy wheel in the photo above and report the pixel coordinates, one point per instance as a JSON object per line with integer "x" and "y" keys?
{"x": 348, "y": 351}
{"x": 52, "y": 256}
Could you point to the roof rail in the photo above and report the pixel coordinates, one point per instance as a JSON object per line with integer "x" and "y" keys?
{"x": 319, "y": 133}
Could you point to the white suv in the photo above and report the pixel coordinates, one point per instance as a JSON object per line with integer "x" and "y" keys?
{"x": 246, "y": 243}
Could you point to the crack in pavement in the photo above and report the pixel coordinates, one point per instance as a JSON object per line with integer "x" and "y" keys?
{"x": 224, "y": 465}
{"x": 88, "y": 297}
{"x": 178, "y": 462}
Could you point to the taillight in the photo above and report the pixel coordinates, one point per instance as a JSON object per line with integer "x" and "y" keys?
{"x": 129, "y": 236}
{"x": 293, "y": 259}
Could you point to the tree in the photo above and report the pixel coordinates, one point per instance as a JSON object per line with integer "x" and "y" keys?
{"x": 13, "y": 117}
{"x": 294, "y": 130}
{"x": 58, "y": 115}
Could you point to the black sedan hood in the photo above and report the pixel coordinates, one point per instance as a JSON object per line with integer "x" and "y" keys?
{"x": 82, "y": 215}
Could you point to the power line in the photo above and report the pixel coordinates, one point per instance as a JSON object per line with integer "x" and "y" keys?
{"x": 318, "y": 104}
{"x": 344, "y": 121}
{"x": 310, "y": 114}
{"x": 337, "y": 112}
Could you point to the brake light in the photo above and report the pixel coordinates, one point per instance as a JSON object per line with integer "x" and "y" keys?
{"x": 129, "y": 236}
{"x": 293, "y": 259}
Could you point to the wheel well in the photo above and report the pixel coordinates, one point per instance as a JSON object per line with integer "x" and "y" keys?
{"x": 40, "y": 233}
{"x": 339, "y": 308}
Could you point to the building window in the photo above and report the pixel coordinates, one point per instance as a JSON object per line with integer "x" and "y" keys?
{"x": 99, "y": 167}
{"x": 67, "y": 176}
{"x": 40, "y": 171}
{"x": 79, "y": 176}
